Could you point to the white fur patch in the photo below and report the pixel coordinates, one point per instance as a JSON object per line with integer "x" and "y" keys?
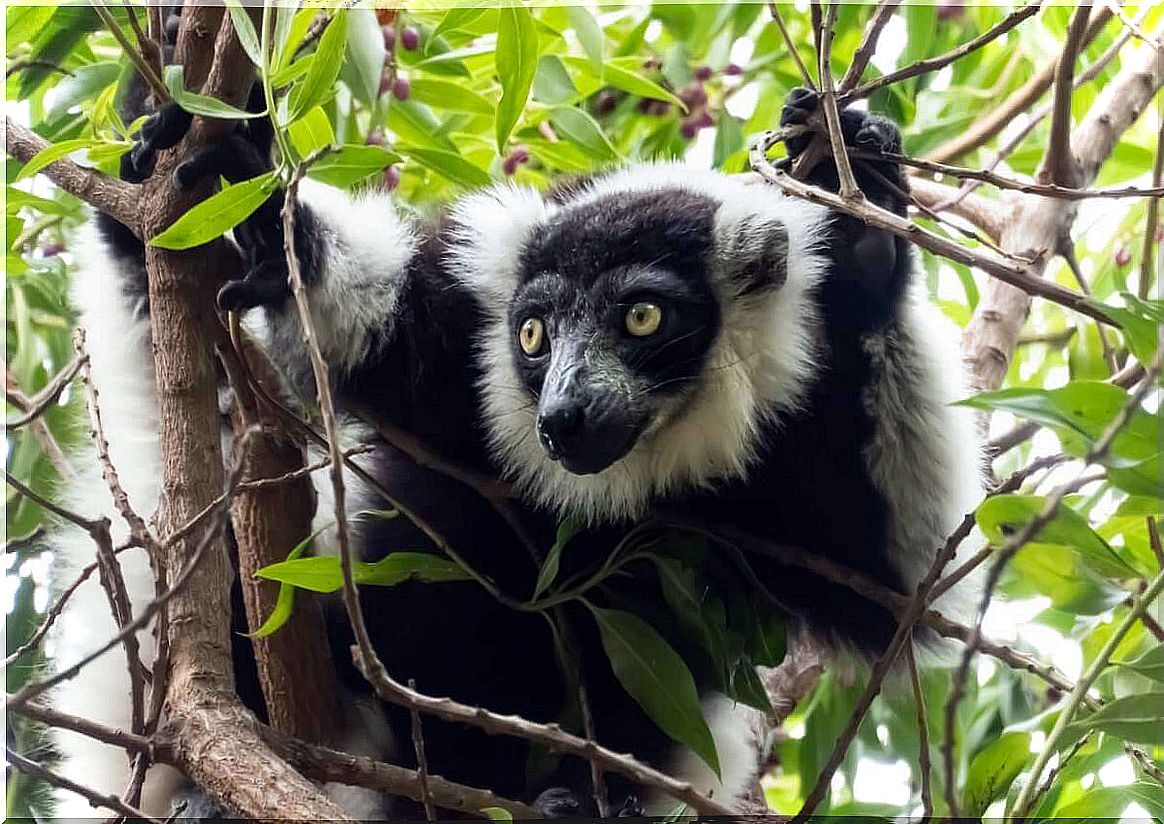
{"x": 735, "y": 730}
{"x": 368, "y": 246}
{"x": 760, "y": 365}
{"x": 925, "y": 456}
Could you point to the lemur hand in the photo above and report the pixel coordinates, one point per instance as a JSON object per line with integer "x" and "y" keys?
{"x": 861, "y": 130}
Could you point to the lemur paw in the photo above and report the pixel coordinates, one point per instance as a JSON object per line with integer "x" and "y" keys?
{"x": 859, "y": 128}
{"x": 562, "y": 802}
{"x": 162, "y": 130}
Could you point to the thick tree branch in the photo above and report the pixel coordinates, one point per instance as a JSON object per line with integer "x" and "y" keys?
{"x": 1059, "y": 166}
{"x": 1039, "y": 224}
{"x": 114, "y": 197}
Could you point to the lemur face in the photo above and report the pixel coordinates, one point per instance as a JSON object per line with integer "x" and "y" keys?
{"x": 612, "y": 321}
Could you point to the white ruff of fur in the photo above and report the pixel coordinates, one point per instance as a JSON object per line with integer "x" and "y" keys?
{"x": 760, "y": 365}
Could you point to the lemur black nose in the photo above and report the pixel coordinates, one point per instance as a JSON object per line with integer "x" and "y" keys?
{"x": 559, "y": 427}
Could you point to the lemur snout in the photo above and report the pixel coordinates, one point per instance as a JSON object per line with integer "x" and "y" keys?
{"x": 586, "y": 437}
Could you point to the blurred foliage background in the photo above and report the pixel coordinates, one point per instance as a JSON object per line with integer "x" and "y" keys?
{"x": 427, "y": 101}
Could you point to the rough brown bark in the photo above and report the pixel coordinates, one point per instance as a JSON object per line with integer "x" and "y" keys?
{"x": 1039, "y": 224}
{"x": 295, "y": 668}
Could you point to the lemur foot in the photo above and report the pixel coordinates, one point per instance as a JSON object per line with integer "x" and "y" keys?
{"x": 859, "y": 129}
{"x": 562, "y": 802}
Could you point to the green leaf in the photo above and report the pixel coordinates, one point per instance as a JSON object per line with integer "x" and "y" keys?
{"x": 1110, "y": 802}
{"x": 994, "y": 769}
{"x": 325, "y": 574}
{"x": 516, "y": 60}
{"x": 449, "y": 165}
{"x": 729, "y": 139}
{"x": 689, "y": 601}
{"x": 1135, "y": 718}
{"x": 497, "y": 814}
{"x": 1080, "y": 412}
{"x": 623, "y": 75}
{"x": 319, "y": 82}
{"x": 365, "y": 53}
{"x": 443, "y": 94}
{"x": 217, "y": 214}
{"x": 581, "y": 129}
{"x": 201, "y": 104}
{"x": 51, "y": 154}
{"x": 458, "y": 17}
{"x": 1003, "y": 515}
{"x": 589, "y": 34}
{"x": 311, "y": 132}
{"x": 351, "y": 164}
{"x": 656, "y": 677}
{"x": 1150, "y": 664}
{"x": 245, "y": 29}
{"x": 567, "y": 529}
{"x": 285, "y": 600}
{"x": 552, "y": 83}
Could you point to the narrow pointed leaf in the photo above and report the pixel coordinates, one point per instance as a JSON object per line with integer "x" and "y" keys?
{"x": 217, "y": 214}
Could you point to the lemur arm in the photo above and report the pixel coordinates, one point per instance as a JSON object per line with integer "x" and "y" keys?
{"x": 871, "y": 265}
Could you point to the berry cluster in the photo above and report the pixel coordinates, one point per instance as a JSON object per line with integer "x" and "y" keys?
{"x": 694, "y": 96}
{"x": 409, "y": 40}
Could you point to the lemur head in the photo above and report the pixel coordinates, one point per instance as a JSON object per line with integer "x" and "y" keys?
{"x": 643, "y": 329}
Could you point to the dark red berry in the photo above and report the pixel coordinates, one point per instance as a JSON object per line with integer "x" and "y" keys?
{"x": 733, "y": 70}
{"x": 375, "y": 138}
{"x": 688, "y": 128}
{"x": 389, "y": 33}
{"x": 517, "y": 156}
{"x": 704, "y": 120}
{"x": 951, "y": 10}
{"x": 693, "y": 96}
{"x": 52, "y": 249}
{"x": 410, "y": 38}
{"x": 1122, "y": 256}
{"x": 605, "y": 102}
{"x": 387, "y": 79}
{"x": 702, "y": 73}
{"x": 644, "y": 106}
{"x": 659, "y": 108}
{"x": 401, "y": 89}
{"x": 390, "y": 178}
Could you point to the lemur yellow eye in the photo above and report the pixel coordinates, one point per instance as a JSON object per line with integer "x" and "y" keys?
{"x": 644, "y": 319}
{"x": 532, "y": 337}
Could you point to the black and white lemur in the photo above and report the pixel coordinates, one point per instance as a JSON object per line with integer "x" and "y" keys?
{"x": 655, "y": 337}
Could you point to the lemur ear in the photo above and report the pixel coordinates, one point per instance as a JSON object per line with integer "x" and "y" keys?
{"x": 752, "y": 252}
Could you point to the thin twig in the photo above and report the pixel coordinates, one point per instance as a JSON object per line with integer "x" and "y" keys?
{"x": 150, "y": 49}
{"x": 1132, "y": 25}
{"x": 1154, "y": 541}
{"x": 823, "y": 31}
{"x": 1151, "y": 221}
{"x": 96, "y": 799}
{"x": 421, "y": 762}
{"x": 1002, "y": 182}
{"x": 46, "y": 397}
{"x": 54, "y": 612}
{"x": 39, "y": 429}
{"x": 923, "y": 733}
{"x": 161, "y": 93}
{"x": 934, "y": 64}
{"x": 868, "y": 47}
{"x": 805, "y": 75}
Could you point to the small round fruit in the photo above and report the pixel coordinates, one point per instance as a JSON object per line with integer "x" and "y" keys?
{"x": 702, "y": 73}
{"x": 390, "y": 178}
{"x": 402, "y": 88}
{"x": 389, "y": 33}
{"x": 733, "y": 70}
{"x": 410, "y": 38}
{"x": 1122, "y": 256}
